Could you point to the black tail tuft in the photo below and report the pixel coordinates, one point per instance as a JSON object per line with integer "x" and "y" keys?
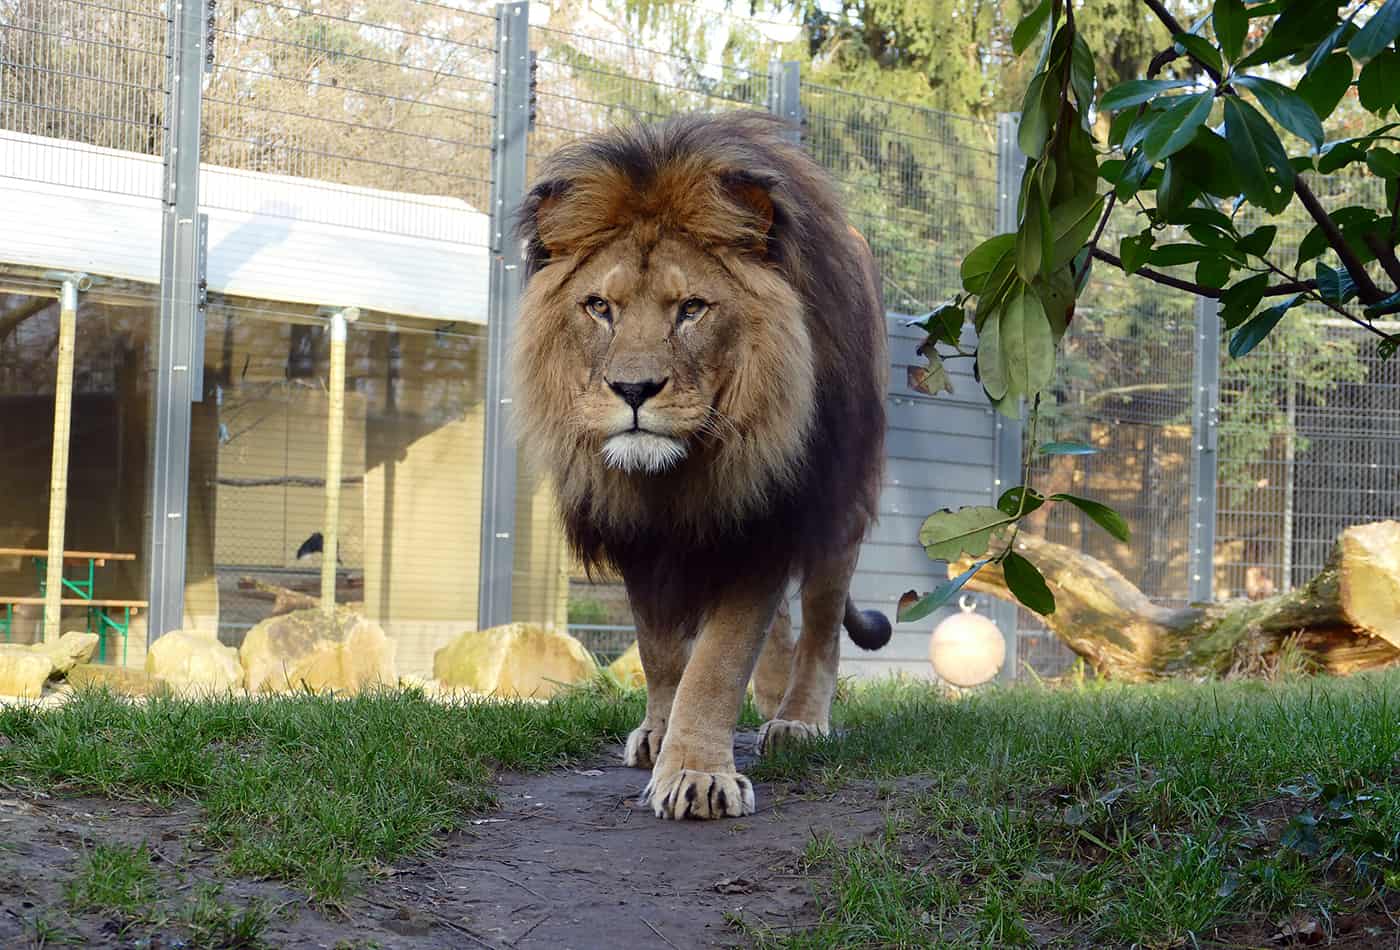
{"x": 868, "y": 629}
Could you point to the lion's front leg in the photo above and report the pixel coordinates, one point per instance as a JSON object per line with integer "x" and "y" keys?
{"x": 695, "y": 776}
{"x": 663, "y": 661}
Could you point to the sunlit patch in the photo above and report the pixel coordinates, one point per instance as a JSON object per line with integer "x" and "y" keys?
{"x": 642, "y": 452}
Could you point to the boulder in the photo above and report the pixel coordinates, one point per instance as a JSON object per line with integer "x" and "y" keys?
{"x": 23, "y": 670}
{"x": 306, "y": 649}
{"x": 122, "y": 680}
{"x": 517, "y": 660}
{"x": 628, "y": 668}
{"x": 192, "y": 662}
{"x": 69, "y": 650}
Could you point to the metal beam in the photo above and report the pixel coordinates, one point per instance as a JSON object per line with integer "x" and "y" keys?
{"x": 1008, "y": 448}
{"x": 785, "y": 94}
{"x": 179, "y": 348}
{"x": 1205, "y": 456}
{"x": 512, "y": 127}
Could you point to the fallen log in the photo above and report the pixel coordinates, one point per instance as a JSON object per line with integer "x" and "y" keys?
{"x": 1346, "y": 619}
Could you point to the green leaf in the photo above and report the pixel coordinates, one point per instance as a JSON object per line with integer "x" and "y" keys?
{"x": 1133, "y": 251}
{"x": 1137, "y": 91}
{"x": 1334, "y": 286}
{"x": 1324, "y": 87}
{"x": 1231, "y": 25}
{"x": 1067, "y": 448}
{"x": 991, "y": 366}
{"x": 1259, "y": 158}
{"x": 1199, "y": 49}
{"x": 947, "y": 535}
{"x": 1258, "y": 241}
{"x": 1259, "y": 326}
{"x": 1032, "y": 238}
{"x": 1237, "y": 303}
{"x": 1070, "y": 226}
{"x": 1289, "y": 109}
{"x": 1027, "y": 344}
{"x": 1037, "y": 115}
{"x": 1010, "y": 501}
{"x": 1102, "y": 515}
{"x": 1378, "y": 33}
{"x": 1382, "y": 307}
{"x": 1383, "y": 163}
{"x": 1301, "y": 24}
{"x": 1174, "y": 129}
{"x": 1386, "y": 348}
{"x": 1173, "y": 192}
{"x": 1339, "y": 155}
{"x": 1378, "y": 86}
{"x": 983, "y": 259}
{"x": 1353, "y": 221}
{"x": 1207, "y": 165}
{"x": 912, "y": 607}
{"x": 1056, "y": 291}
{"x": 1026, "y": 582}
{"x": 1170, "y": 255}
{"x": 1082, "y": 72}
{"x": 943, "y": 325}
{"x": 1029, "y": 27}
{"x": 1213, "y": 271}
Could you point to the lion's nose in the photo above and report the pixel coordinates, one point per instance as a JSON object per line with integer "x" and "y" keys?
{"x": 634, "y": 394}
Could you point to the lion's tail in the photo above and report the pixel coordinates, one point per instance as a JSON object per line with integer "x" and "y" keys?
{"x": 868, "y": 629}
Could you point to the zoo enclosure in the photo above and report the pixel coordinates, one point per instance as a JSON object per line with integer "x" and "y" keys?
{"x": 373, "y": 152}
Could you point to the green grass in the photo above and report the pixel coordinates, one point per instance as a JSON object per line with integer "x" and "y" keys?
{"x": 219, "y": 926}
{"x": 114, "y": 877}
{"x": 1111, "y": 815}
{"x": 308, "y": 789}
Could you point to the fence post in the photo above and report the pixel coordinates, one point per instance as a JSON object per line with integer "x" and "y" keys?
{"x": 1010, "y": 433}
{"x": 180, "y": 342}
{"x": 1205, "y": 442}
{"x": 512, "y": 126}
{"x": 785, "y": 93}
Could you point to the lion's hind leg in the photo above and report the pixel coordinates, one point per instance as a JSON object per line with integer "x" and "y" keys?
{"x": 774, "y": 670}
{"x": 805, "y": 711}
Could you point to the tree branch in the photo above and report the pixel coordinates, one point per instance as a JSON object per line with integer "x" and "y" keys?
{"x": 1167, "y": 280}
{"x": 1386, "y": 255}
{"x": 1366, "y": 288}
{"x": 1175, "y": 27}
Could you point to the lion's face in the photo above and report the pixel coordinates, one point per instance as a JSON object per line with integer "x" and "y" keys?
{"x": 660, "y": 349}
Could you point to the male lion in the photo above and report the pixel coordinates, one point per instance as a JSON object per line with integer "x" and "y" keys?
{"x": 700, "y": 364}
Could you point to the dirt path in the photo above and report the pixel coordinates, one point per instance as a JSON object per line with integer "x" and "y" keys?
{"x": 569, "y": 861}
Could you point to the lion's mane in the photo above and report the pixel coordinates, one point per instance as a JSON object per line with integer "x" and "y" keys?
{"x": 752, "y": 516}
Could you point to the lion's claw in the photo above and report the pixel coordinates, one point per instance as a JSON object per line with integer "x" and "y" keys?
{"x": 776, "y": 732}
{"x": 692, "y": 794}
{"x": 643, "y": 747}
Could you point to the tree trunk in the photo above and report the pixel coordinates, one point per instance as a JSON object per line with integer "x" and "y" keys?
{"x": 1346, "y": 619}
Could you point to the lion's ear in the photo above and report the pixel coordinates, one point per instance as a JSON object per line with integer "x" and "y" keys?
{"x": 754, "y": 194}
{"x": 542, "y": 200}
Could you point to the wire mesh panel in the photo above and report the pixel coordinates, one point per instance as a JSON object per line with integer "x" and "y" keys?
{"x": 1123, "y": 386}
{"x": 390, "y": 96}
{"x": 920, "y": 185}
{"x": 82, "y": 88}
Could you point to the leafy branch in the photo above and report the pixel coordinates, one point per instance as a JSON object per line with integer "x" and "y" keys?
{"x": 1202, "y": 146}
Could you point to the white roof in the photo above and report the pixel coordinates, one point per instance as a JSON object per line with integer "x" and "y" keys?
{"x": 74, "y": 207}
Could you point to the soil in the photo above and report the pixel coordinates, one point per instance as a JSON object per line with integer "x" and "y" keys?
{"x": 568, "y": 861}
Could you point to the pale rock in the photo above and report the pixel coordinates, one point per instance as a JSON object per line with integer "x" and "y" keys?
{"x": 122, "y": 680}
{"x": 69, "y": 650}
{"x": 515, "y": 660}
{"x": 23, "y": 670}
{"x": 190, "y": 662}
{"x": 628, "y": 668}
{"x": 308, "y": 649}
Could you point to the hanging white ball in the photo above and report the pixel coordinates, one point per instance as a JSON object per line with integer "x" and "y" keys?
{"x": 967, "y": 649}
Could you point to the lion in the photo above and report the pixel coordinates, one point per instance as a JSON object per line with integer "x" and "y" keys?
{"x": 700, "y": 365}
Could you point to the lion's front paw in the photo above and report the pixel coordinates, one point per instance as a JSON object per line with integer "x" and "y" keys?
{"x": 643, "y": 746}
{"x": 776, "y": 732}
{"x": 692, "y": 794}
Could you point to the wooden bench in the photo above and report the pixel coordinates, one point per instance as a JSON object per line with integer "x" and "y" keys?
{"x": 97, "y": 613}
{"x": 93, "y": 560}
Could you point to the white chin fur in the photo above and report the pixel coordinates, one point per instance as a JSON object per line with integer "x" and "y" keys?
{"x": 642, "y": 452}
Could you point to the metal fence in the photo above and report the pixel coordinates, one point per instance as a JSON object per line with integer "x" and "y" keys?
{"x": 421, "y": 122}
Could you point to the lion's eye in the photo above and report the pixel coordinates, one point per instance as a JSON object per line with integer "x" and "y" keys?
{"x": 692, "y": 308}
{"x": 598, "y": 307}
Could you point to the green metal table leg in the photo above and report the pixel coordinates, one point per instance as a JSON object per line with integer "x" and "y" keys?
{"x": 9, "y": 619}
